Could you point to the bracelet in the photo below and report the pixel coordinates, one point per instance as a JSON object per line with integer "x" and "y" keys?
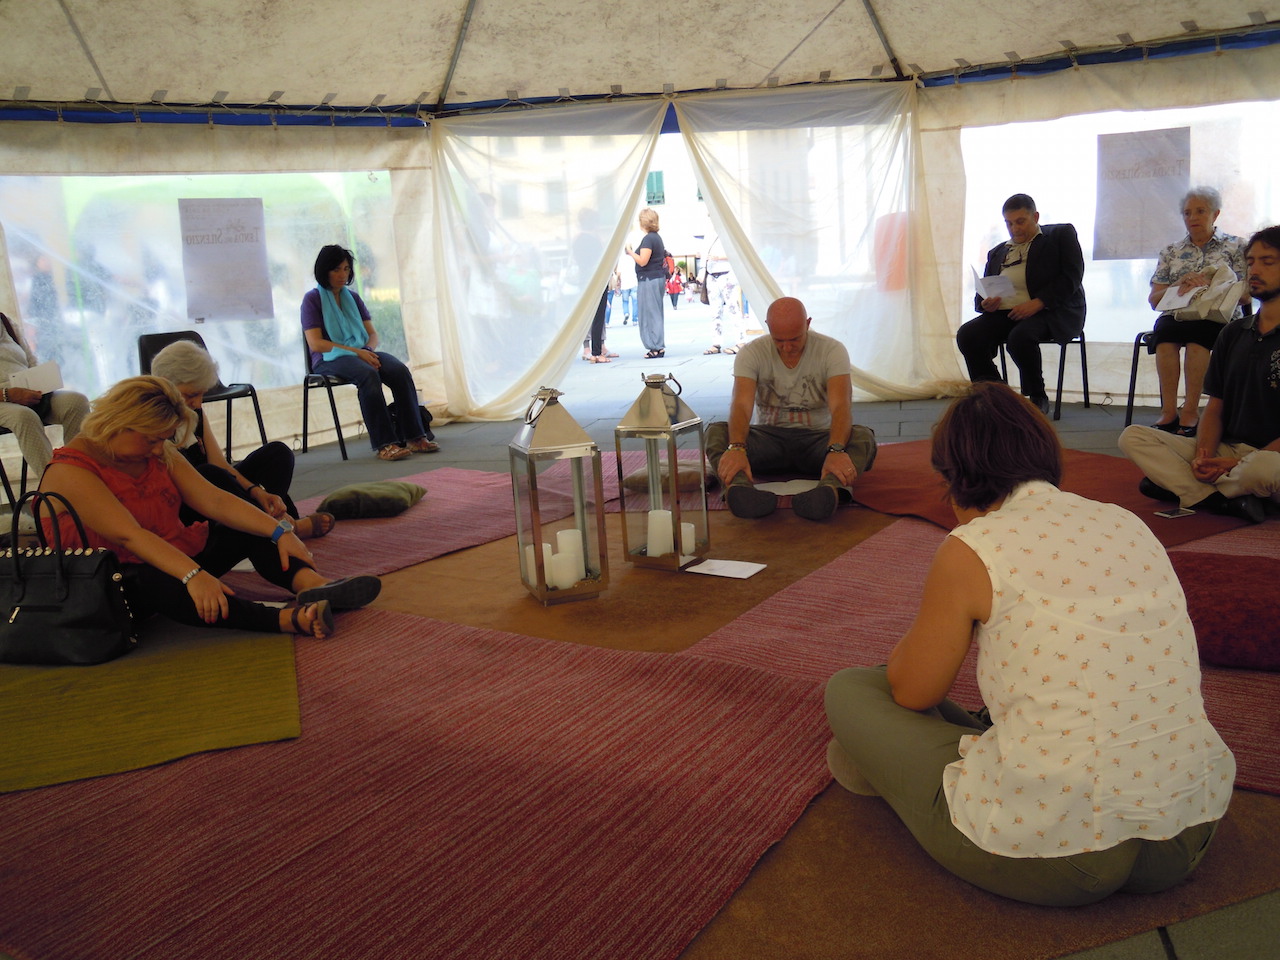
{"x": 249, "y": 488}
{"x": 736, "y": 446}
{"x": 188, "y": 577}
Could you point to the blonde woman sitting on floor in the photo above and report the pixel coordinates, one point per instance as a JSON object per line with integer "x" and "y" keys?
{"x": 127, "y": 481}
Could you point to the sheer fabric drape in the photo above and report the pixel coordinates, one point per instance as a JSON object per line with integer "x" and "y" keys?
{"x": 530, "y": 211}
{"x": 816, "y": 194}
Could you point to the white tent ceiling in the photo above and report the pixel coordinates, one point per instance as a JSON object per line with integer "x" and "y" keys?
{"x": 445, "y": 54}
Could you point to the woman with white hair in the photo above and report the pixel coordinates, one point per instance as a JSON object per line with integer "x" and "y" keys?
{"x": 264, "y": 476}
{"x": 1188, "y": 264}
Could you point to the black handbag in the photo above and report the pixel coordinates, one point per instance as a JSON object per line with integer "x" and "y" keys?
{"x": 61, "y": 607}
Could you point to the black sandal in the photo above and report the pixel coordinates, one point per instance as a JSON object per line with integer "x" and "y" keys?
{"x": 321, "y": 612}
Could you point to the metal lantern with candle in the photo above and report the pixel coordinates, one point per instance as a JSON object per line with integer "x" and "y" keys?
{"x": 657, "y": 529}
{"x": 559, "y": 501}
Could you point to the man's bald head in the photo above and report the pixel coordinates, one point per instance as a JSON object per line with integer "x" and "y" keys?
{"x": 788, "y": 323}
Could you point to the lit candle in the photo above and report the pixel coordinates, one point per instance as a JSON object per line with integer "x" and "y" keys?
{"x": 688, "y": 540}
{"x": 661, "y": 535}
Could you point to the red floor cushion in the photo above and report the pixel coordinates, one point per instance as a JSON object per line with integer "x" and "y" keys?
{"x": 1233, "y": 606}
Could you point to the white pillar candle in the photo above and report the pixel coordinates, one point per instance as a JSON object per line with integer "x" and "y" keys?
{"x": 688, "y": 539}
{"x": 570, "y": 542}
{"x": 563, "y": 571}
{"x": 661, "y": 536}
{"x": 531, "y": 569}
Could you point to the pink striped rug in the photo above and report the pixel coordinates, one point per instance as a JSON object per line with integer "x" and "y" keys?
{"x": 462, "y": 508}
{"x": 456, "y": 793}
{"x": 851, "y": 612}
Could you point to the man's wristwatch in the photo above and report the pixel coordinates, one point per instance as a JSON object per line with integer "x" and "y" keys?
{"x": 836, "y": 448}
{"x": 283, "y": 527}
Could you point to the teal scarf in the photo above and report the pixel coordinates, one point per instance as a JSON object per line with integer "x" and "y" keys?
{"x": 342, "y": 321}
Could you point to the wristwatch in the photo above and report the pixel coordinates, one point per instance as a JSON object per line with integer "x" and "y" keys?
{"x": 836, "y": 448}
{"x": 283, "y": 527}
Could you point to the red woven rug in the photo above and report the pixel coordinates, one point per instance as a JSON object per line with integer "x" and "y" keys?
{"x": 455, "y": 793}
{"x": 851, "y": 612}
{"x": 903, "y": 483}
{"x": 462, "y": 508}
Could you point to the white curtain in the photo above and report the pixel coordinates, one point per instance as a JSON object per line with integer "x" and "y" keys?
{"x": 529, "y": 211}
{"x": 816, "y": 193}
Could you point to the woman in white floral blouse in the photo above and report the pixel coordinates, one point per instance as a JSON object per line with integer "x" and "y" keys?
{"x": 1093, "y": 767}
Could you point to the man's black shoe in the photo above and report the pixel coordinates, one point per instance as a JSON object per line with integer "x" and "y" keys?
{"x": 1248, "y": 507}
{"x": 1149, "y": 488}
{"x": 1042, "y": 402}
{"x": 749, "y": 503}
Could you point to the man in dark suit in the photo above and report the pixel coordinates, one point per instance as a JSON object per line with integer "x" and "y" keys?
{"x": 1046, "y": 267}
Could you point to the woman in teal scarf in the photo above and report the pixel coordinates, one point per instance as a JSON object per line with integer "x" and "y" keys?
{"x": 343, "y": 343}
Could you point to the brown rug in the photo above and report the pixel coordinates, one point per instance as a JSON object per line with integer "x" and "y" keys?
{"x": 904, "y": 484}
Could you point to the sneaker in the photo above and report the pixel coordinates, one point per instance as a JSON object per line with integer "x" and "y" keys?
{"x": 816, "y": 504}
{"x": 747, "y": 502}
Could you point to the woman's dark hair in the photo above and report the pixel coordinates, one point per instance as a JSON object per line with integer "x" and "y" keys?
{"x": 329, "y": 258}
{"x": 989, "y": 442}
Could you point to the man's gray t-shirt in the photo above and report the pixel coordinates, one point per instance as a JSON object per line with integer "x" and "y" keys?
{"x": 795, "y": 397}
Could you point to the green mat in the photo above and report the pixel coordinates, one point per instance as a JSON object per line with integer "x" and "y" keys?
{"x": 182, "y": 691}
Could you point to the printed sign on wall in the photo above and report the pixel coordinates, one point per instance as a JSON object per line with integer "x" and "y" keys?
{"x": 224, "y": 259}
{"x": 1141, "y": 178}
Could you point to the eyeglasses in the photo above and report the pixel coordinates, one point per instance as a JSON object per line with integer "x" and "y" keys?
{"x": 1012, "y": 263}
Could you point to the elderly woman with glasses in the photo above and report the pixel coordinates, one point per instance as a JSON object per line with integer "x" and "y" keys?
{"x": 1188, "y": 264}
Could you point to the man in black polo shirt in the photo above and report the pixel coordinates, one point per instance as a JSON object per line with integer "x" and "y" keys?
{"x": 1232, "y": 465}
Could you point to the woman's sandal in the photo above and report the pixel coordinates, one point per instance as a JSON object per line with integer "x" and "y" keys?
{"x": 393, "y": 451}
{"x": 710, "y": 350}
{"x": 321, "y": 616}
{"x": 322, "y": 525}
{"x": 655, "y": 354}
{"x": 423, "y": 445}
{"x": 1185, "y": 431}
{"x": 601, "y": 359}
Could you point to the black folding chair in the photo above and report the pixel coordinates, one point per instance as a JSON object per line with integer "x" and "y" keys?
{"x": 315, "y": 381}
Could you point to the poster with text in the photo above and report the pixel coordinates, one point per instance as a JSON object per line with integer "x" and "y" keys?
{"x": 224, "y": 259}
{"x": 1141, "y": 179}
